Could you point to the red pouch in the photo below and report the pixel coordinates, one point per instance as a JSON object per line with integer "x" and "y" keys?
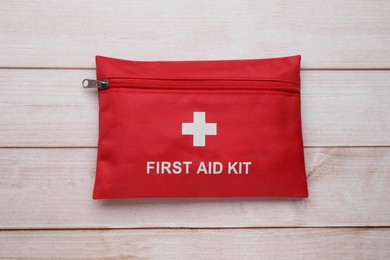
{"x": 229, "y": 128}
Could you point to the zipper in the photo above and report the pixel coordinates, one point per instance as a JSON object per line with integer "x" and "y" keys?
{"x": 193, "y": 84}
{"x": 92, "y": 83}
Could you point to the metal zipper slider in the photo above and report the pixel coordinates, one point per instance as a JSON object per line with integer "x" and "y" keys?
{"x": 92, "y": 83}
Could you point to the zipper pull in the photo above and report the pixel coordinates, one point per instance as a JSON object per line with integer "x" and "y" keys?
{"x": 92, "y": 83}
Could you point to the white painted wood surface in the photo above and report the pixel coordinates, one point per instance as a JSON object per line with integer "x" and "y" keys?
{"x": 329, "y": 34}
{"x": 48, "y": 130}
{"x": 307, "y": 243}
{"x": 50, "y": 108}
{"x": 51, "y": 188}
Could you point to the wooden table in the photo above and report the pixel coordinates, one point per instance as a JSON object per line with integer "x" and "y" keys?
{"x": 48, "y": 130}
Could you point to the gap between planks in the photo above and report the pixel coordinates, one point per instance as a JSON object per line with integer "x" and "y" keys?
{"x": 93, "y": 68}
{"x": 95, "y": 147}
{"x": 187, "y": 228}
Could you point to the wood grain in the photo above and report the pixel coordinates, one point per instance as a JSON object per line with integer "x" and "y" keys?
{"x": 329, "y": 34}
{"x": 52, "y": 188}
{"x": 49, "y": 108}
{"x": 293, "y": 243}
{"x": 48, "y": 130}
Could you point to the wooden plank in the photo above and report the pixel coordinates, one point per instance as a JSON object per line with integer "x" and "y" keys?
{"x": 52, "y": 188}
{"x": 307, "y": 243}
{"x": 329, "y": 34}
{"x": 50, "y": 108}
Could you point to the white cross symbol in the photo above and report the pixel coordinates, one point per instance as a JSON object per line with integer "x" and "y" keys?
{"x": 199, "y": 129}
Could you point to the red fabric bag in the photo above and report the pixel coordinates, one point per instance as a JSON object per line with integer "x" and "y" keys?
{"x": 229, "y": 128}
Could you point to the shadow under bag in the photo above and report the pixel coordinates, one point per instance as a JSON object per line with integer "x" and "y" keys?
{"x": 227, "y": 128}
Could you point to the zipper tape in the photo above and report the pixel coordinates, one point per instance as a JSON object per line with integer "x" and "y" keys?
{"x": 201, "y": 84}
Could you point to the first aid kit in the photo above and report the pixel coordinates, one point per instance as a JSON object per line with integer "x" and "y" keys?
{"x": 223, "y": 128}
